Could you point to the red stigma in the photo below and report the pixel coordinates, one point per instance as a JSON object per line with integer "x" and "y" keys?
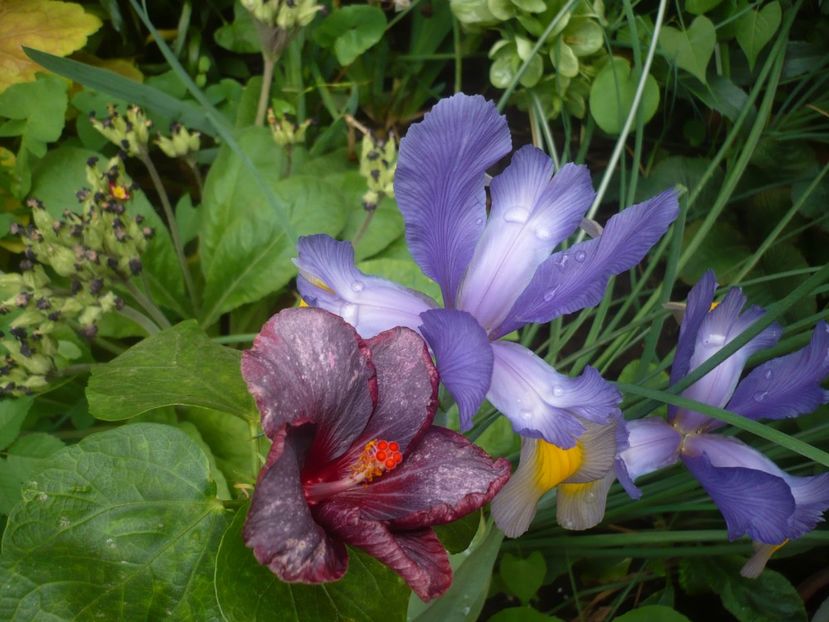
{"x": 377, "y": 457}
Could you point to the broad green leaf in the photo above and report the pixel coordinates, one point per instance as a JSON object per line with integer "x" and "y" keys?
{"x": 239, "y": 35}
{"x": 56, "y": 27}
{"x": 756, "y": 28}
{"x": 180, "y": 366}
{"x": 523, "y": 576}
{"x": 122, "y": 526}
{"x": 722, "y": 250}
{"x": 698, "y": 7}
{"x": 245, "y": 253}
{"x": 584, "y": 36}
{"x": 612, "y": 93}
{"x": 564, "y": 59}
{"x": 690, "y": 49}
{"x": 216, "y": 474}
{"x": 386, "y": 224}
{"x": 457, "y": 536}
{"x": 652, "y": 613}
{"x": 351, "y": 30}
{"x": 404, "y": 272}
{"x": 522, "y": 614}
{"x": 722, "y": 95}
{"x": 12, "y": 414}
{"x": 24, "y": 459}
{"x": 472, "y": 12}
{"x": 655, "y": 380}
{"x": 680, "y": 170}
{"x": 531, "y": 6}
{"x": 499, "y": 439}
{"x": 249, "y": 592}
{"x": 36, "y": 110}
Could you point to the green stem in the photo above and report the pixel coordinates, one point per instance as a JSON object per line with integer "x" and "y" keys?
{"x": 142, "y": 320}
{"x": 148, "y": 305}
{"x": 265, "y": 91}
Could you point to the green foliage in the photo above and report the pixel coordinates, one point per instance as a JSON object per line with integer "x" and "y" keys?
{"x": 652, "y": 613}
{"x": 756, "y": 28}
{"x": 350, "y": 31}
{"x": 612, "y": 93}
{"x": 691, "y": 49}
{"x": 12, "y": 415}
{"x": 524, "y": 576}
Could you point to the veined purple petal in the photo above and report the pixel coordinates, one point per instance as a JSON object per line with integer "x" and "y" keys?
{"x": 417, "y": 556}
{"x": 576, "y": 278}
{"x": 542, "y": 403}
{"x": 328, "y": 279}
{"x": 464, "y": 357}
{"x": 310, "y": 366}
{"x": 439, "y": 184}
{"x": 443, "y": 478}
{"x": 698, "y": 304}
{"x": 718, "y": 328}
{"x": 811, "y": 496}
{"x": 652, "y": 444}
{"x": 281, "y": 530}
{"x": 788, "y": 385}
{"x": 531, "y": 213}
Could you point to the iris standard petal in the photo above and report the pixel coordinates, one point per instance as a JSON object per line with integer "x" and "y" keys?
{"x": 718, "y": 328}
{"x": 443, "y": 478}
{"x": 698, "y": 304}
{"x": 463, "y": 355}
{"x": 531, "y": 213}
{"x": 786, "y": 386}
{"x": 576, "y": 278}
{"x": 542, "y": 403}
{"x": 329, "y": 279}
{"x": 310, "y": 366}
{"x": 281, "y": 530}
{"x": 439, "y": 184}
{"x": 652, "y": 444}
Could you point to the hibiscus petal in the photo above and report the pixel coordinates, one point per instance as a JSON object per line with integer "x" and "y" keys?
{"x": 531, "y": 213}
{"x": 416, "y": 555}
{"x": 752, "y": 501}
{"x": 582, "y": 506}
{"x": 281, "y": 530}
{"x": 309, "y": 366}
{"x": 442, "y": 478}
{"x": 329, "y": 279}
{"x": 653, "y": 444}
{"x": 439, "y": 184}
{"x": 576, "y": 278}
{"x": 463, "y": 355}
{"x": 788, "y": 385}
{"x": 542, "y": 403}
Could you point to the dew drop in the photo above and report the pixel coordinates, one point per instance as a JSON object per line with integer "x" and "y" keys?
{"x": 110, "y": 543}
{"x": 358, "y": 286}
{"x": 479, "y": 221}
{"x": 557, "y": 390}
{"x": 580, "y": 256}
{"x": 349, "y": 313}
{"x": 714, "y": 339}
{"x": 42, "y": 496}
{"x": 64, "y": 522}
{"x": 517, "y": 214}
{"x": 562, "y": 260}
{"x": 543, "y": 234}
{"x": 466, "y": 610}
{"x": 760, "y": 396}
{"x": 768, "y": 374}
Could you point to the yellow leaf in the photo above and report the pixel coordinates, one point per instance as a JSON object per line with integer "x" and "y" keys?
{"x": 59, "y": 28}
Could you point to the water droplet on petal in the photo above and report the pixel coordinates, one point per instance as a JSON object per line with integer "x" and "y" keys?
{"x": 768, "y": 374}
{"x": 714, "y": 339}
{"x": 357, "y": 286}
{"x": 526, "y": 415}
{"x": 479, "y": 221}
{"x": 562, "y": 260}
{"x": 543, "y": 234}
{"x": 550, "y": 294}
{"x": 760, "y": 396}
{"x": 557, "y": 390}
{"x": 349, "y": 313}
{"x": 517, "y": 214}
{"x": 580, "y": 256}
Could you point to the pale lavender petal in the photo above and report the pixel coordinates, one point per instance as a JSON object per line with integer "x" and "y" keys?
{"x": 328, "y": 279}
{"x": 439, "y": 184}
{"x": 531, "y": 213}
{"x": 653, "y": 444}
{"x": 463, "y": 355}
{"x": 542, "y": 403}
{"x": 698, "y": 304}
{"x": 786, "y": 386}
{"x": 718, "y": 328}
{"x": 811, "y": 494}
{"x": 576, "y": 278}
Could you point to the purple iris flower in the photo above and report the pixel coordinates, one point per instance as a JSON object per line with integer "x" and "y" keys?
{"x": 355, "y": 458}
{"x": 755, "y": 496}
{"x": 495, "y": 271}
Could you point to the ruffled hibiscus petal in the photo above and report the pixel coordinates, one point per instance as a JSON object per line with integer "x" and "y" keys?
{"x": 582, "y": 506}
{"x": 309, "y": 366}
{"x": 442, "y": 478}
{"x": 329, "y": 279}
{"x": 653, "y": 444}
{"x": 542, "y": 403}
{"x": 416, "y": 555}
{"x": 532, "y": 211}
{"x": 439, "y": 184}
{"x": 576, "y": 278}
{"x": 463, "y": 355}
{"x": 786, "y": 386}
{"x": 281, "y": 530}
{"x": 752, "y": 501}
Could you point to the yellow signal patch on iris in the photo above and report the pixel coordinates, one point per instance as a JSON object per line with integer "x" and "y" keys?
{"x": 553, "y": 464}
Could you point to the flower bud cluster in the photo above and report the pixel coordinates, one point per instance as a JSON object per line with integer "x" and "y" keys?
{"x": 286, "y": 132}
{"x": 181, "y": 143}
{"x": 283, "y": 14}
{"x": 378, "y": 161}
{"x": 131, "y": 131}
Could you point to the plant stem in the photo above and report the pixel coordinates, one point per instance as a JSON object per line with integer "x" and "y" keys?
{"x": 363, "y": 227}
{"x": 148, "y": 305}
{"x": 191, "y": 162}
{"x": 265, "y": 92}
{"x": 171, "y": 223}
{"x": 142, "y": 320}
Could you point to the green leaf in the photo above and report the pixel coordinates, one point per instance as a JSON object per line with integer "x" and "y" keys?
{"x": 522, "y": 614}
{"x": 385, "y": 227}
{"x": 698, "y": 7}
{"x": 40, "y": 106}
{"x": 457, "y": 536}
{"x": 499, "y": 439}
{"x": 229, "y": 440}
{"x": 123, "y": 525}
{"x": 612, "y": 93}
{"x": 245, "y": 252}
{"x": 756, "y": 28}
{"x": 690, "y": 49}
{"x": 564, "y": 59}
{"x": 523, "y": 577}
{"x": 656, "y": 380}
{"x": 351, "y": 30}
{"x": 239, "y": 35}
{"x": 249, "y": 592}
{"x": 25, "y": 458}
{"x": 722, "y": 250}
{"x": 180, "y": 366}
{"x": 584, "y": 36}
{"x": 652, "y": 613}
{"x": 12, "y": 414}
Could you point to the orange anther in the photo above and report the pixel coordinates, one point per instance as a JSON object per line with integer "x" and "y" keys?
{"x": 394, "y": 446}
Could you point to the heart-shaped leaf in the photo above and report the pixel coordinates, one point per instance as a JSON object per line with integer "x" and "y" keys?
{"x": 756, "y": 28}
{"x": 524, "y": 576}
{"x": 690, "y": 49}
{"x": 612, "y": 92}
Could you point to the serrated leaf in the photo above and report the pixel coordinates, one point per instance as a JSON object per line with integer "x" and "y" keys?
{"x": 690, "y": 49}
{"x": 56, "y": 27}
{"x": 249, "y": 592}
{"x": 612, "y": 93}
{"x": 756, "y": 28}
{"x": 180, "y": 366}
{"x": 121, "y": 526}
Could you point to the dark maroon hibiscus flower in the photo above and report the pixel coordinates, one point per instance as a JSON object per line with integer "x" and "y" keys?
{"x": 355, "y": 458}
